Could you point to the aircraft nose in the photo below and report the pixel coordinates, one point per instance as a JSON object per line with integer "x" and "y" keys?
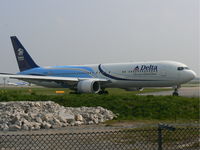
{"x": 192, "y": 74}
{"x": 187, "y": 76}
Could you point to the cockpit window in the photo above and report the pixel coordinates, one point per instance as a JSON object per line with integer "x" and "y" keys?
{"x": 182, "y": 68}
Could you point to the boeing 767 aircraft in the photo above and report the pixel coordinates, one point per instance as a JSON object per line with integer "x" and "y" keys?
{"x": 97, "y": 77}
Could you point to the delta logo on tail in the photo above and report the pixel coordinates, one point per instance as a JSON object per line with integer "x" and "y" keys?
{"x": 146, "y": 68}
{"x": 20, "y": 54}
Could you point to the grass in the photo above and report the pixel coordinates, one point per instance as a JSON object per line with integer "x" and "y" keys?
{"x": 51, "y": 91}
{"x": 127, "y": 105}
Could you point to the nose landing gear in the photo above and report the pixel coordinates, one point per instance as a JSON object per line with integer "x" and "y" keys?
{"x": 175, "y": 93}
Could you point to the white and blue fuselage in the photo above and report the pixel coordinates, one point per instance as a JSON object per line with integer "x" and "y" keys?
{"x": 120, "y": 75}
{"x": 95, "y": 78}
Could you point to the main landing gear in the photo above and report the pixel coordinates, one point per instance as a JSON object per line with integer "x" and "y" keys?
{"x": 175, "y": 93}
{"x": 103, "y": 92}
{"x": 74, "y": 92}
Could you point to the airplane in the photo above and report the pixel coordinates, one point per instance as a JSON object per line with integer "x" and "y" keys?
{"x": 18, "y": 83}
{"x": 95, "y": 78}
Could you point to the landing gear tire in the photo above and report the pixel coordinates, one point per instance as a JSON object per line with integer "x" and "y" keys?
{"x": 75, "y": 92}
{"x": 102, "y": 92}
{"x": 175, "y": 94}
{"x": 106, "y": 92}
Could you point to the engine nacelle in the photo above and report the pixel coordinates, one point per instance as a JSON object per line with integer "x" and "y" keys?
{"x": 88, "y": 86}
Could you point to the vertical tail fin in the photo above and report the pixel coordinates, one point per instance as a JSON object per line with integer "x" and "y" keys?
{"x": 24, "y": 60}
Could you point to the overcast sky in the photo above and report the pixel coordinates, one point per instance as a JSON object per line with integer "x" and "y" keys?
{"x": 67, "y": 32}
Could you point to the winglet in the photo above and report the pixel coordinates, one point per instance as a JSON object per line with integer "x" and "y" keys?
{"x": 24, "y": 60}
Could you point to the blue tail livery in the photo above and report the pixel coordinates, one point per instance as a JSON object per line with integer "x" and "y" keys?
{"x": 24, "y": 60}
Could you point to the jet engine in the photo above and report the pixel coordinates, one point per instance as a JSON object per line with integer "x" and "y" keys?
{"x": 88, "y": 86}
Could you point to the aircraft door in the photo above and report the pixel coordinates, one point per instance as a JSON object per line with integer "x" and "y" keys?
{"x": 162, "y": 71}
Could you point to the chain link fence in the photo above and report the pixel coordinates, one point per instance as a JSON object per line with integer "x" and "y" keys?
{"x": 161, "y": 138}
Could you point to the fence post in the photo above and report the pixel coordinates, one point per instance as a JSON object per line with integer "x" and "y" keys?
{"x": 160, "y": 137}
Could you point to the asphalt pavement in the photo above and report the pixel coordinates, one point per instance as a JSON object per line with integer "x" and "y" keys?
{"x": 183, "y": 91}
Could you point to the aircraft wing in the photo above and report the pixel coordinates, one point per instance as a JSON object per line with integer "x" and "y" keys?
{"x": 48, "y": 78}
